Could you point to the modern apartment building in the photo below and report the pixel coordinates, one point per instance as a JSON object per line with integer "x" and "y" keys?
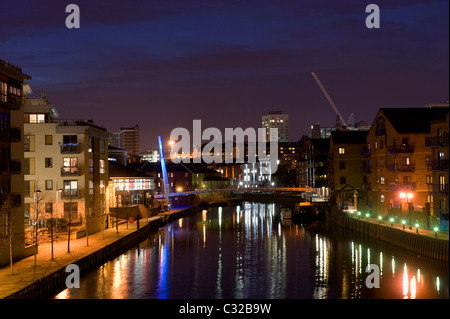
{"x": 279, "y": 120}
{"x": 12, "y": 96}
{"x": 399, "y": 161}
{"x": 65, "y": 166}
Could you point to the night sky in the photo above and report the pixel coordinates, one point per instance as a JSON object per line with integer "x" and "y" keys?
{"x": 161, "y": 64}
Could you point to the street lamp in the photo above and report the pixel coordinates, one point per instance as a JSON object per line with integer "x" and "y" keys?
{"x": 435, "y": 231}
{"x": 379, "y": 219}
{"x": 403, "y": 222}
{"x": 392, "y": 221}
{"x": 417, "y": 227}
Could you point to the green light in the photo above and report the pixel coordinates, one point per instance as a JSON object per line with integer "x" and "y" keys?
{"x": 359, "y": 213}
{"x": 403, "y": 222}
{"x": 379, "y": 217}
{"x": 436, "y": 229}
{"x": 417, "y": 225}
{"x": 367, "y": 215}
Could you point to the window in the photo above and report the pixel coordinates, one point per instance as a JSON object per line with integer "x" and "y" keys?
{"x": 381, "y": 162}
{"x": 28, "y": 165}
{"x": 48, "y": 139}
{"x": 70, "y": 165}
{"x": 102, "y": 146}
{"x": 341, "y": 150}
{"x": 376, "y": 144}
{"x": 91, "y": 143}
{"x": 429, "y": 179}
{"x": 91, "y": 187}
{"x": 382, "y": 180}
{"x": 341, "y": 165}
{"x": 381, "y": 144}
{"x": 49, "y": 208}
{"x": 406, "y": 161}
{"x": 342, "y": 180}
{"x": 37, "y": 118}
{"x": 70, "y": 188}
{"x": 102, "y": 186}
{"x": 91, "y": 165}
{"x": 429, "y": 198}
{"x": 102, "y": 167}
{"x": 70, "y": 208}
{"x": 28, "y": 143}
{"x": 48, "y": 162}
{"x": 382, "y": 198}
{"x": 406, "y": 179}
{"x": 49, "y": 184}
{"x": 441, "y": 183}
{"x": 441, "y": 156}
{"x": 69, "y": 139}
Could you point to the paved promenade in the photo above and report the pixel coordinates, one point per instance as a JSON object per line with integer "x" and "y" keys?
{"x": 26, "y": 273}
{"x": 422, "y": 231}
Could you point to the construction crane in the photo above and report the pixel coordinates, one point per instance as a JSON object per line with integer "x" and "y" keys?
{"x": 331, "y": 101}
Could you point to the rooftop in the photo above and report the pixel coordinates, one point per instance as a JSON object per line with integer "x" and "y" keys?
{"x": 414, "y": 120}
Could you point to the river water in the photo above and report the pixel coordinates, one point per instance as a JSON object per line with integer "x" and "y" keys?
{"x": 249, "y": 252}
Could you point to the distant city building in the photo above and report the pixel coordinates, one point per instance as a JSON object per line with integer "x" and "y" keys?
{"x": 13, "y": 92}
{"x": 279, "y": 120}
{"x": 127, "y": 139}
{"x": 151, "y": 156}
{"x": 324, "y": 132}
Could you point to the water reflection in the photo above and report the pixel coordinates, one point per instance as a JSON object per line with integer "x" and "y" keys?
{"x": 249, "y": 252}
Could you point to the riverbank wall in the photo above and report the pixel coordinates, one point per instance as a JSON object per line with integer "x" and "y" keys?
{"x": 424, "y": 244}
{"x": 55, "y": 280}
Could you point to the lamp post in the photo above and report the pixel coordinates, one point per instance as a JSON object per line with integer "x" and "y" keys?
{"x": 417, "y": 227}
{"x": 435, "y": 231}
{"x": 379, "y": 219}
{"x": 36, "y": 218}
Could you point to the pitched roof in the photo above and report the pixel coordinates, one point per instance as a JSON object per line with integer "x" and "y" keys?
{"x": 349, "y": 137}
{"x": 414, "y": 120}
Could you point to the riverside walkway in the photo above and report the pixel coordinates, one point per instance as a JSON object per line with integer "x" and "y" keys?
{"x": 25, "y": 273}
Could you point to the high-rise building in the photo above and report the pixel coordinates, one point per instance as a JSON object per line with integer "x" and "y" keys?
{"x": 129, "y": 140}
{"x": 65, "y": 167}
{"x": 279, "y": 120}
{"x": 12, "y": 95}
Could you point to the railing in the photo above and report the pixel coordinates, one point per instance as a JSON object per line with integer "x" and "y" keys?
{"x": 438, "y": 189}
{"x": 434, "y": 141}
{"x": 401, "y": 168}
{"x": 404, "y": 148}
{"x": 70, "y": 193}
{"x": 438, "y": 165}
{"x": 401, "y": 187}
{"x": 13, "y": 101}
{"x": 70, "y": 171}
{"x": 71, "y": 148}
{"x": 15, "y": 167}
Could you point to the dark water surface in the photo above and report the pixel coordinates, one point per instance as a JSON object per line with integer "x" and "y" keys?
{"x": 249, "y": 252}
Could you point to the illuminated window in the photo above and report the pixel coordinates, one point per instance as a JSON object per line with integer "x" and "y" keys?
{"x": 341, "y": 150}
{"x": 37, "y": 118}
{"x": 382, "y": 198}
{"x": 102, "y": 167}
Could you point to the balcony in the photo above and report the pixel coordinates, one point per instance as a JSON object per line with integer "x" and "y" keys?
{"x": 13, "y": 101}
{"x": 438, "y": 165}
{"x": 15, "y": 167}
{"x": 70, "y": 171}
{"x": 11, "y": 200}
{"x": 403, "y": 187}
{"x": 365, "y": 169}
{"x": 438, "y": 189}
{"x": 70, "y": 193}
{"x": 436, "y": 141}
{"x": 71, "y": 148}
{"x": 404, "y": 148}
{"x": 13, "y": 134}
{"x": 401, "y": 168}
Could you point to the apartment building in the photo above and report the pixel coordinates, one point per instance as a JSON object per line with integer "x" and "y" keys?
{"x": 65, "y": 167}
{"x": 13, "y": 90}
{"x": 398, "y": 164}
{"x": 279, "y": 120}
{"x": 348, "y": 168}
{"x": 438, "y": 167}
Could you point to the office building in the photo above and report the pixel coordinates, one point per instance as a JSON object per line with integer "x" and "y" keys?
{"x": 279, "y": 120}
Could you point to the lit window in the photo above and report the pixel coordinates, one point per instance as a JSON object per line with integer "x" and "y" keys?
{"x": 102, "y": 167}
{"x": 341, "y": 150}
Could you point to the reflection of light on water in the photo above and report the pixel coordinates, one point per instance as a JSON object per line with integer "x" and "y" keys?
{"x": 418, "y": 275}
{"x": 437, "y": 284}
{"x": 413, "y": 287}
{"x": 220, "y": 216}
{"x": 180, "y": 222}
{"x": 204, "y": 212}
{"x": 405, "y": 283}
{"x": 321, "y": 262}
{"x": 204, "y": 235}
{"x": 381, "y": 263}
{"x": 393, "y": 266}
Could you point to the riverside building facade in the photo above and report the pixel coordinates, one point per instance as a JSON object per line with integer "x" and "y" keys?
{"x": 65, "y": 167}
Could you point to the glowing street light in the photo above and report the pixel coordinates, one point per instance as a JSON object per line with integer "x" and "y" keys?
{"x": 379, "y": 219}
{"x": 392, "y": 221}
{"x": 403, "y": 222}
{"x": 417, "y": 227}
{"x": 435, "y": 231}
